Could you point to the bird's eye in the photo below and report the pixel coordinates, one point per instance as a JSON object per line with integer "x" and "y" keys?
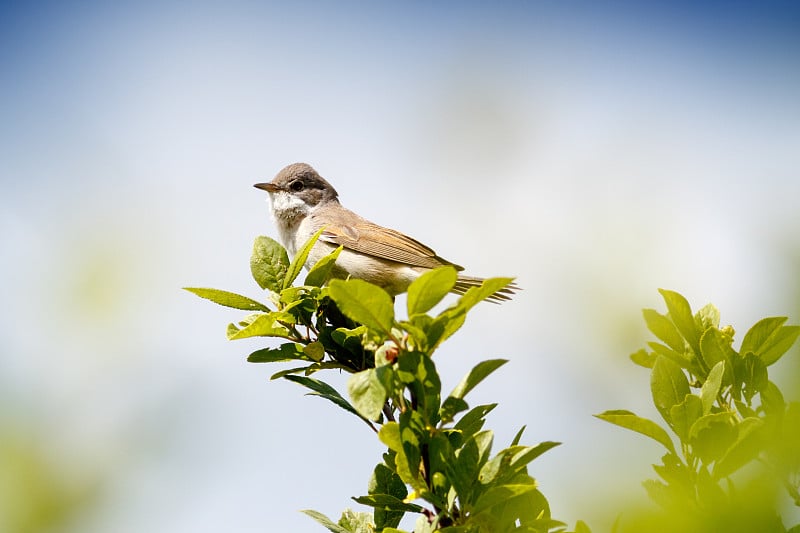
{"x": 296, "y": 186}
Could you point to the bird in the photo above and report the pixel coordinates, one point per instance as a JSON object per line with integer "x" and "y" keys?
{"x": 302, "y": 202}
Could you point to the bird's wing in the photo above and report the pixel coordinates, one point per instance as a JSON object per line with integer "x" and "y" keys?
{"x": 371, "y": 239}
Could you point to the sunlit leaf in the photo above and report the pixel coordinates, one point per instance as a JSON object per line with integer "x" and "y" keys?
{"x": 269, "y": 263}
{"x": 285, "y": 352}
{"x": 770, "y": 339}
{"x": 685, "y": 414}
{"x": 389, "y": 434}
{"x": 500, "y": 495}
{"x": 319, "y": 273}
{"x": 265, "y": 325}
{"x": 757, "y": 338}
{"x": 715, "y": 347}
{"x": 644, "y": 358}
{"x": 429, "y": 289}
{"x": 299, "y": 260}
{"x": 478, "y": 373}
{"x": 668, "y": 385}
{"x": 367, "y": 392}
{"x": 680, "y": 312}
{"x": 228, "y": 299}
{"x": 326, "y": 522}
{"x": 364, "y": 303}
{"x": 525, "y": 454}
{"x": 474, "y": 295}
{"x": 754, "y": 376}
{"x": 663, "y": 328}
{"x": 710, "y": 389}
{"x": 629, "y": 420}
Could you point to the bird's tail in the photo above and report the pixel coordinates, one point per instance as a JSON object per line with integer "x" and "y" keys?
{"x": 464, "y": 283}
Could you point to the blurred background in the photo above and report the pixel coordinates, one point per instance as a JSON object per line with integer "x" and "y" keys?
{"x": 595, "y": 152}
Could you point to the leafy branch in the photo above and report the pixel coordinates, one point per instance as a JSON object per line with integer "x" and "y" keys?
{"x": 439, "y": 462}
{"x": 723, "y": 411}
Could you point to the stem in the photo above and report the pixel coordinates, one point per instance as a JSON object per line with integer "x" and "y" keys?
{"x": 388, "y": 411}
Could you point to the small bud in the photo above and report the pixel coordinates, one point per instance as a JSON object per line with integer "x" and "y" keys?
{"x": 391, "y": 354}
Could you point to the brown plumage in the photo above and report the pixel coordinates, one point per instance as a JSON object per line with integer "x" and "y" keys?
{"x": 303, "y": 202}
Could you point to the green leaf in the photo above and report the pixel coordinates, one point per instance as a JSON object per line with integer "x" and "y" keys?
{"x": 384, "y": 481}
{"x": 269, "y": 263}
{"x": 478, "y": 373}
{"x": 325, "y": 521}
{"x": 323, "y": 390}
{"x": 769, "y": 339}
{"x": 680, "y": 312}
{"x": 707, "y": 317}
{"x": 484, "y": 440}
{"x": 772, "y": 400}
{"x": 321, "y": 270}
{"x": 413, "y": 436}
{"x": 364, "y": 303}
{"x": 685, "y": 414}
{"x": 418, "y": 371}
{"x": 783, "y": 340}
{"x": 286, "y": 352}
{"x": 473, "y": 420}
{"x": 429, "y": 289}
{"x": 390, "y": 435}
{"x": 663, "y": 328}
{"x": 754, "y": 376}
{"x": 475, "y": 295}
{"x": 711, "y": 494}
{"x": 264, "y": 325}
{"x": 674, "y": 471}
{"x": 228, "y": 299}
{"x": 464, "y": 471}
{"x": 368, "y": 392}
{"x": 710, "y": 389}
{"x": 356, "y": 522}
{"x": 644, "y": 358}
{"x": 758, "y": 338}
{"x": 682, "y": 359}
{"x": 525, "y": 454}
{"x": 387, "y": 502}
{"x": 745, "y": 448}
{"x": 715, "y": 347}
{"x": 500, "y": 495}
{"x": 314, "y": 351}
{"x": 712, "y": 434}
{"x": 646, "y": 427}
{"x": 288, "y": 371}
{"x": 299, "y": 260}
{"x": 444, "y": 325}
{"x": 450, "y": 407}
{"x": 668, "y": 385}
{"x": 518, "y": 436}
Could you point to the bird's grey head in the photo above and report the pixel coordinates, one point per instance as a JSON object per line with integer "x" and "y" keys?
{"x": 300, "y": 183}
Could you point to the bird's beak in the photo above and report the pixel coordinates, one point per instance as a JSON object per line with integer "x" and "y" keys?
{"x": 269, "y": 187}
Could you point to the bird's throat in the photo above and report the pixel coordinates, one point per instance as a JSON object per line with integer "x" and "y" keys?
{"x": 288, "y": 212}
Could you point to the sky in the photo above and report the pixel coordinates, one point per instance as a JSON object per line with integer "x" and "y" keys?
{"x": 597, "y": 152}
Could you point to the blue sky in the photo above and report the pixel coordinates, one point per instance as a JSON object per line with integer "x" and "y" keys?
{"x": 597, "y": 152}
